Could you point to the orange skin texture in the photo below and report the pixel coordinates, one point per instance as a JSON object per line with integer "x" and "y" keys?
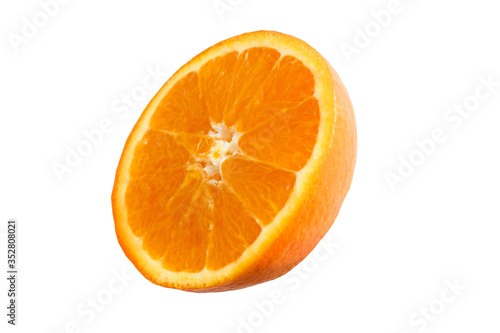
{"x": 329, "y": 184}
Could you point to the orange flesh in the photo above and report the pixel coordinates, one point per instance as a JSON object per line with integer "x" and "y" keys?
{"x": 219, "y": 160}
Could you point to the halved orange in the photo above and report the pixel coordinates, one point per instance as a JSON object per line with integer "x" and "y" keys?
{"x": 237, "y": 167}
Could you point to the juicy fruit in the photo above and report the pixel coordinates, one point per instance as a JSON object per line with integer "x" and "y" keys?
{"x": 237, "y": 167}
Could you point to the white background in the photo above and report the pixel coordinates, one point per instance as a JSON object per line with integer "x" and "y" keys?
{"x": 394, "y": 250}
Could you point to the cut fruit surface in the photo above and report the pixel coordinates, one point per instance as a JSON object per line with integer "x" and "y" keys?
{"x": 237, "y": 167}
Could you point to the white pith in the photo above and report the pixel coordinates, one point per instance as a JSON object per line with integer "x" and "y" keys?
{"x": 225, "y": 145}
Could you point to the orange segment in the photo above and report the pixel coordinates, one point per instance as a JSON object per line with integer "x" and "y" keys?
{"x": 263, "y": 189}
{"x": 182, "y": 109}
{"x": 150, "y": 160}
{"x": 234, "y": 229}
{"x": 139, "y": 200}
{"x": 286, "y": 140}
{"x": 155, "y": 177}
{"x": 145, "y": 198}
{"x": 216, "y": 78}
{"x": 253, "y": 67}
{"x": 288, "y": 84}
{"x": 237, "y": 167}
{"x": 185, "y": 220}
